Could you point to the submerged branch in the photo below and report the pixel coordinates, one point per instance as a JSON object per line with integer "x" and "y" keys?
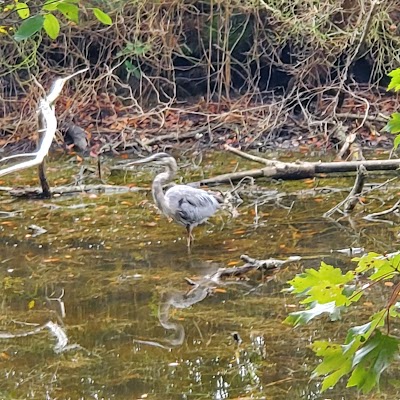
{"x": 61, "y": 190}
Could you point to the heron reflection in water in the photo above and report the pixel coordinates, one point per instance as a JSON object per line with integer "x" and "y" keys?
{"x": 186, "y": 205}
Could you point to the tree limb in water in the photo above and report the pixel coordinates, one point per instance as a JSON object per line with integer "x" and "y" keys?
{"x": 299, "y": 170}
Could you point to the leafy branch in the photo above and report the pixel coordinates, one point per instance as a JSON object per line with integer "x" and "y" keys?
{"x": 46, "y": 17}
{"x": 367, "y": 350}
{"x": 393, "y": 125}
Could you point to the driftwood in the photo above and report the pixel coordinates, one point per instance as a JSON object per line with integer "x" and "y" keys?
{"x": 251, "y": 264}
{"x": 297, "y": 170}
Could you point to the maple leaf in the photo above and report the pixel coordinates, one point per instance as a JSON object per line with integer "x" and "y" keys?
{"x": 393, "y": 125}
{"x": 371, "y": 360}
{"x": 361, "y": 350}
{"x": 303, "y": 317}
{"x": 395, "y": 81}
{"x": 323, "y": 286}
{"x": 382, "y": 267}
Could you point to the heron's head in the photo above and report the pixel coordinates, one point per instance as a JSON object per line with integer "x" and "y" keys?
{"x": 157, "y": 159}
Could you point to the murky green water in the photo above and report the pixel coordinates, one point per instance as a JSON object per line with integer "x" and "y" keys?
{"x": 110, "y": 271}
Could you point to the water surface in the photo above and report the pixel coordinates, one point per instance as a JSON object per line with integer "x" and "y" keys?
{"x": 110, "y": 272}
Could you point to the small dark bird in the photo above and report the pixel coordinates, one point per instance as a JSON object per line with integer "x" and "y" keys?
{"x": 186, "y": 205}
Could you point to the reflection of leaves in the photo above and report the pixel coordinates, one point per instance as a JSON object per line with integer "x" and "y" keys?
{"x": 323, "y": 286}
{"x": 13, "y": 285}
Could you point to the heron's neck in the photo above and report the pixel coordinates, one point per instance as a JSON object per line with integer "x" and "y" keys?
{"x": 157, "y": 189}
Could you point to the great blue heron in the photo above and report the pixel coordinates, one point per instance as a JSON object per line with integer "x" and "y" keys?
{"x": 186, "y": 205}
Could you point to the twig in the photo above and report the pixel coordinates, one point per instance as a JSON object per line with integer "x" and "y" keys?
{"x": 248, "y": 156}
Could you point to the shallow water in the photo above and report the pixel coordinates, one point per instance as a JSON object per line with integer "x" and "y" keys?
{"x": 110, "y": 274}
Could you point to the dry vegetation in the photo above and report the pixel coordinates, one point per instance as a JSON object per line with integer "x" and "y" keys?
{"x": 247, "y": 72}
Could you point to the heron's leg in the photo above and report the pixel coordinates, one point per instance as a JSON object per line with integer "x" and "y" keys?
{"x": 189, "y": 235}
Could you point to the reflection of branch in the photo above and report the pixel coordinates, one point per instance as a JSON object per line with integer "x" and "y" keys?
{"x": 47, "y": 117}
{"x": 372, "y": 217}
{"x": 56, "y": 330}
{"x": 199, "y": 291}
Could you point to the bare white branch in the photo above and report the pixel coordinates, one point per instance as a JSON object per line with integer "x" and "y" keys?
{"x": 47, "y": 114}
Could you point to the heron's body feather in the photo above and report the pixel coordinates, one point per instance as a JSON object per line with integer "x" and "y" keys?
{"x": 190, "y": 206}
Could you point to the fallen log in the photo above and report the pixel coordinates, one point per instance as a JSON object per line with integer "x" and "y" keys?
{"x": 301, "y": 170}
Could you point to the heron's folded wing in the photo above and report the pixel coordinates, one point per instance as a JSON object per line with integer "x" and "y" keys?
{"x": 191, "y": 206}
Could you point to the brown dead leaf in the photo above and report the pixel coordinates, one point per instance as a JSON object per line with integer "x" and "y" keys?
{"x": 149, "y": 224}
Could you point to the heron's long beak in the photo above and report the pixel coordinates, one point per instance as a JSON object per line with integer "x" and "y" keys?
{"x": 141, "y": 161}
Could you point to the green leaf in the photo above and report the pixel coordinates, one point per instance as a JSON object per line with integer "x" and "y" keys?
{"x": 29, "y": 27}
{"x": 393, "y": 125}
{"x": 138, "y": 48}
{"x": 369, "y": 261}
{"x": 323, "y": 286}
{"x": 395, "y": 81}
{"x": 371, "y": 361}
{"x": 52, "y": 5}
{"x": 335, "y": 363}
{"x": 51, "y": 26}
{"x": 303, "y": 317}
{"x": 340, "y": 360}
{"x": 383, "y": 267}
{"x": 22, "y": 10}
{"x": 70, "y": 11}
{"x": 102, "y": 16}
{"x": 396, "y": 142}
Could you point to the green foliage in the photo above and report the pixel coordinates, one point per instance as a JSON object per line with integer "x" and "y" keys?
{"x": 395, "y": 81}
{"x": 51, "y": 25}
{"x": 102, "y": 16}
{"x": 393, "y": 125}
{"x": 22, "y": 10}
{"x": 48, "y": 17}
{"x": 324, "y": 286}
{"x": 366, "y": 351}
{"x": 134, "y": 50}
{"x": 29, "y": 27}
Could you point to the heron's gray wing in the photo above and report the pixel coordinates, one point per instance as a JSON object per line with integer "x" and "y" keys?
{"x": 190, "y": 206}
